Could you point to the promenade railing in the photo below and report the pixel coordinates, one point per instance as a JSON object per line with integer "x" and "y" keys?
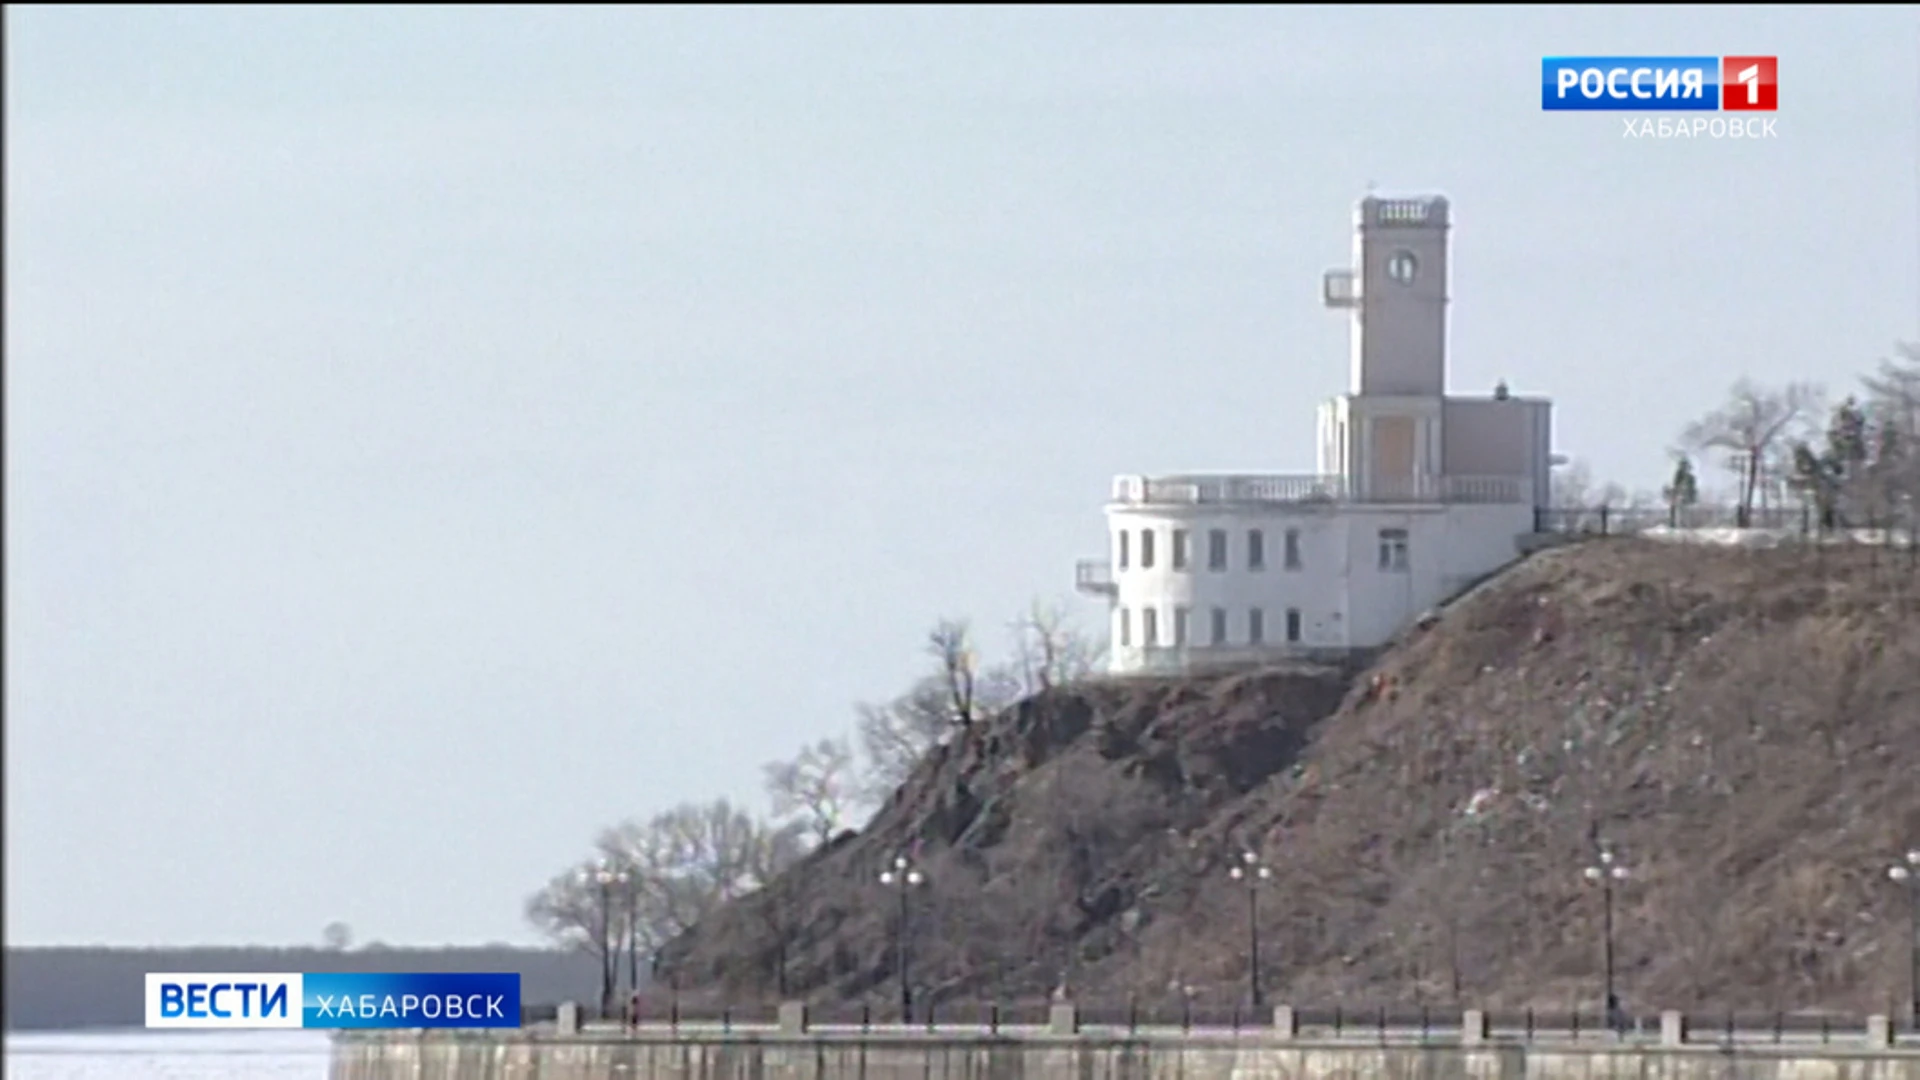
{"x": 1341, "y": 1023}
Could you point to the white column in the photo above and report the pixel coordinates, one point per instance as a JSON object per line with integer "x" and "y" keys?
{"x": 1422, "y": 449}
{"x": 1362, "y": 466}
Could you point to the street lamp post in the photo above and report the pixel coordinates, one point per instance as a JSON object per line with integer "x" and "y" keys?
{"x": 1906, "y": 873}
{"x": 633, "y": 936}
{"x": 901, "y": 877}
{"x": 605, "y": 877}
{"x": 1250, "y": 871}
{"x": 1604, "y": 872}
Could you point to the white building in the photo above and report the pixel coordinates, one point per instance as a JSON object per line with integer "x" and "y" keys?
{"x": 1418, "y": 493}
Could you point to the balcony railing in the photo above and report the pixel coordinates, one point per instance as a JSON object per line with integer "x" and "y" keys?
{"x": 1340, "y": 289}
{"x": 1201, "y": 489}
{"x": 1452, "y": 489}
{"x": 1094, "y": 576}
{"x": 1391, "y": 212}
{"x": 1155, "y": 490}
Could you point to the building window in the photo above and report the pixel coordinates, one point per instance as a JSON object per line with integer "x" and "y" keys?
{"x": 1120, "y": 553}
{"x": 1256, "y": 626}
{"x": 1146, "y": 549}
{"x": 1179, "y": 549}
{"x": 1126, "y": 627}
{"x": 1393, "y": 549}
{"x": 1216, "y": 549}
{"x": 1149, "y": 627}
{"x": 1401, "y": 267}
{"x": 1256, "y": 550}
{"x": 1219, "y": 626}
{"x": 1293, "y": 549}
{"x": 1293, "y": 624}
{"x": 1179, "y": 626}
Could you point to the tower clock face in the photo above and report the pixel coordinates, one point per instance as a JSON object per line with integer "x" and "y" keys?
{"x": 1401, "y": 267}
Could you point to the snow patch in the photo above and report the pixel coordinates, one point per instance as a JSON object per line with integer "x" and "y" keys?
{"x": 1728, "y": 536}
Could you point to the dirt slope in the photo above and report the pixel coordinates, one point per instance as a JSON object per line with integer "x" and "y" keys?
{"x": 1742, "y": 726}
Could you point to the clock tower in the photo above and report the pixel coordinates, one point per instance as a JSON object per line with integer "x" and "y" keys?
{"x": 1397, "y": 293}
{"x": 1384, "y": 434}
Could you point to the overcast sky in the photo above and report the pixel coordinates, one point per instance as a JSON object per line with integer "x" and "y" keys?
{"x": 435, "y": 434}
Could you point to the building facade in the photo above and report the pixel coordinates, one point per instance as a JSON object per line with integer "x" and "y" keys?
{"x": 1418, "y": 493}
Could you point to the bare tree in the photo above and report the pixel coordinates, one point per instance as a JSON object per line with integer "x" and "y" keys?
{"x": 337, "y": 936}
{"x": 1049, "y": 652}
{"x": 816, "y": 789}
{"x": 698, "y": 856}
{"x": 673, "y": 870}
{"x": 1892, "y": 479}
{"x": 1579, "y": 500}
{"x": 951, "y": 643}
{"x": 895, "y": 736}
{"x": 1895, "y": 386}
{"x": 1572, "y": 485}
{"x": 996, "y": 687}
{"x": 570, "y": 912}
{"x": 1752, "y": 433}
{"x": 971, "y": 692}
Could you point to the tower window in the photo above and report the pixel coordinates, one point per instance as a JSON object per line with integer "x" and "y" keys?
{"x": 1120, "y": 553}
{"x": 1179, "y": 549}
{"x": 1217, "y": 549}
{"x": 1126, "y": 627}
{"x": 1401, "y": 267}
{"x": 1149, "y": 627}
{"x": 1146, "y": 549}
{"x": 1219, "y": 626}
{"x": 1256, "y": 550}
{"x": 1293, "y": 624}
{"x": 1179, "y": 626}
{"x": 1393, "y": 549}
{"x": 1256, "y": 626}
{"x": 1293, "y": 549}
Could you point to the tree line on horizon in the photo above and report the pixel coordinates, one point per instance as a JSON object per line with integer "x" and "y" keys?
{"x": 1842, "y": 464}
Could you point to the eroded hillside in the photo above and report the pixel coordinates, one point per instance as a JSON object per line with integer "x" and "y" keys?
{"x": 1742, "y": 726}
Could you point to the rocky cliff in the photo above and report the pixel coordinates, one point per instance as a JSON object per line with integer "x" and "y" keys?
{"x": 1741, "y": 727}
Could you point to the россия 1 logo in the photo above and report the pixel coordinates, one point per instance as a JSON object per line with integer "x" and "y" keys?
{"x": 1645, "y": 84}
{"x": 1660, "y": 83}
{"x": 333, "y": 1000}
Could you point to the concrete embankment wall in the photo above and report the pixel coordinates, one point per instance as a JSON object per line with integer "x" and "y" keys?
{"x": 533, "y": 1055}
